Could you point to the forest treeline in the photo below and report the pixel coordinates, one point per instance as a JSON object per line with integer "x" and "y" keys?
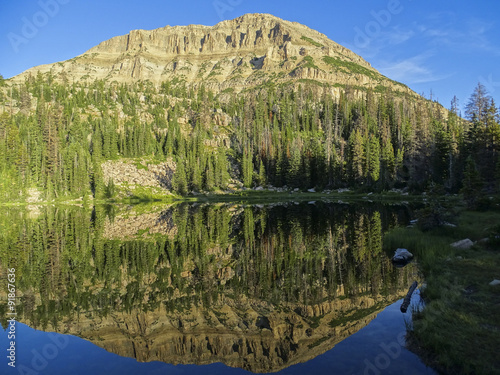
{"x": 55, "y": 135}
{"x": 283, "y": 255}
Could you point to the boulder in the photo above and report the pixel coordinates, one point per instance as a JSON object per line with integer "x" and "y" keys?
{"x": 402, "y": 257}
{"x": 495, "y": 282}
{"x": 462, "y": 244}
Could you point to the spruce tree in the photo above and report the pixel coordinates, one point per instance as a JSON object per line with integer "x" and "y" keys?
{"x": 472, "y": 184}
{"x": 357, "y": 156}
{"x": 179, "y": 181}
{"x": 374, "y": 161}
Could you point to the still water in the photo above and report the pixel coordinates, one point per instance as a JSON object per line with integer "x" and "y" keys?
{"x": 288, "y": 288}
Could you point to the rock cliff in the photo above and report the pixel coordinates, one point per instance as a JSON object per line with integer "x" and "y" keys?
{"x": 247, "y": 51}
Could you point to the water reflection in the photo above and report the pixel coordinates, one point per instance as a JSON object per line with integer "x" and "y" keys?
{"x": 254, "y": 287}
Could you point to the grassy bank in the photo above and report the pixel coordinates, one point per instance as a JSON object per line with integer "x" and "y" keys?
{"x": 459, "y": 330}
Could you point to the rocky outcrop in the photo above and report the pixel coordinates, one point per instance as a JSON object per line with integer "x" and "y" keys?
{"x": 139, "y": 173}
{"x": 237, "y": 54}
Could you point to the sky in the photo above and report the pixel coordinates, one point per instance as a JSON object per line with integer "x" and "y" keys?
{"x": 440, "y": 49}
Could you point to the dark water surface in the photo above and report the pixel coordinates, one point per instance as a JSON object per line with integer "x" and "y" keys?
{"x": 206, "y": 289}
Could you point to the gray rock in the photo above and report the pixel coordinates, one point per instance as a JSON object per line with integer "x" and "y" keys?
{"x": 402, "y": 256}
{"x": 495, "y": 282}
{"x": 312, "y": 190}
{"x": 462, "y": 244}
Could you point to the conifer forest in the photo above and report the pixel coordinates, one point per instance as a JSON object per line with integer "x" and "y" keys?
{"x": 54, "y": 137}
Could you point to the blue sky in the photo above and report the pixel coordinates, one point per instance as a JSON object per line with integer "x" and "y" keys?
{"x": 444, "y": 47}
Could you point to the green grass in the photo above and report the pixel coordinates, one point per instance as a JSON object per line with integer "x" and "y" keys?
{"x": 139, "y": 165}
{"x": 312, "y": 82}
{"x": 459, "y": 330}
{"x": 313, "y": 42}
{"x": 350, "y": 66}
{"x": 308, "y": 62}
{"x": 429, "y": 248}
{"x": 141, "y": 232}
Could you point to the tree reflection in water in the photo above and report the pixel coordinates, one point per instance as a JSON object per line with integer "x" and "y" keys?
{"x": 256, "y": 287}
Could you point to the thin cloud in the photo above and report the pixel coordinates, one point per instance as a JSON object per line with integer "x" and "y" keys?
{"x": 385, "y": 39}
{"x": 412, "y": 70}
{"x": 397, "y": 36}
{"x": 471, "y": 37}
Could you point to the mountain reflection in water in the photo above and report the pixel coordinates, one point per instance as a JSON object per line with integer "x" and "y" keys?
{"x": 255, "y": 287}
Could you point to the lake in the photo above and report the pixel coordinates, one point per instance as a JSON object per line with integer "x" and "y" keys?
{"x": 227, "y": 288}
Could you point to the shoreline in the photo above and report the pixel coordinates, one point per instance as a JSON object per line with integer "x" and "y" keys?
{"x": 458, "y": 331}
{"x": 239, "y": 195}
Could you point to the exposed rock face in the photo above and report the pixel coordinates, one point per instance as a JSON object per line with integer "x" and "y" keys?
{"x": 238, "y": 53}
{"x": 139, "y": 173}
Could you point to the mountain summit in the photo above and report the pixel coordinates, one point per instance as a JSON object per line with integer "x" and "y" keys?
{"x": 243, "y": 52}
{"x": 254, "y": 102}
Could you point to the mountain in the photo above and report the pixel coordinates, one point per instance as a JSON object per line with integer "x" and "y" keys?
{"x": 238, "y": 53}
{"x": 254, "y": 102}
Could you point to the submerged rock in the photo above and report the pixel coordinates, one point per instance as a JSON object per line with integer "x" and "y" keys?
{"x": 402, "y": 257}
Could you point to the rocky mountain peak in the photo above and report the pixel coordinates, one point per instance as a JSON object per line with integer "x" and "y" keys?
{"x": 237, "y": 54}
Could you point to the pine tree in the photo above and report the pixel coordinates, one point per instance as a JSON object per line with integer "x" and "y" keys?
{"x": 357, "y": 156}
{"x": 209, "y": 174}
{"x": 472, "y": 184}
{"x": 477, "y": 105}
{"x": 374, "y": 160}
{"x": 262, "y": 174}
{"x": 388, "y": 163}
{"x": 247, "y": 167}
{"x": 179, "y": 181}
